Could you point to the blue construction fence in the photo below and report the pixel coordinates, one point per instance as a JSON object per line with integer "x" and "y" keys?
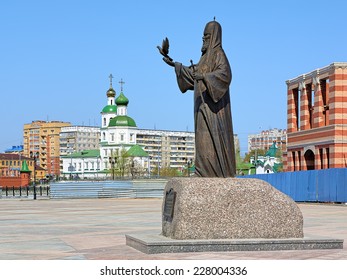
{"x": 327, "y": 185}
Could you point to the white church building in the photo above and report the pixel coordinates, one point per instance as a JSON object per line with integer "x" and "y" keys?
{"x": 118, "y": 155}
{"x": 118, "y": 134}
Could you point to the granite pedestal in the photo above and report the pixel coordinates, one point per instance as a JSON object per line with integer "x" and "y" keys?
{"x": 227, "y": 214}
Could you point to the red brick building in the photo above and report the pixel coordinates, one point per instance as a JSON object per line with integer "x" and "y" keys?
{"x": 317, "y": 119}
{"x": 20, "y": 179}
{"x": 10, "y": 167}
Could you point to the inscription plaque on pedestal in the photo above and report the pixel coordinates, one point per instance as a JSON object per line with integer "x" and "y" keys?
{"x": 169, "y": 205}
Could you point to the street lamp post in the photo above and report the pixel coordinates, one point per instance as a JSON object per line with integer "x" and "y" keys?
{"x": 158, "y": 166}
{"x": 34, "y": 156}
{"x": 70, "y": 167}
{"x": 97, "y": 167}
{"x": 189, "y": 165}
{"x": 132, "y": 168}
{"x": 149, "y": 167}
{"x": 112, "y": 161}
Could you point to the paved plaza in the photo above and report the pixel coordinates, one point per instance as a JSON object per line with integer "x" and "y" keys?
{"x": 95, "y": 229}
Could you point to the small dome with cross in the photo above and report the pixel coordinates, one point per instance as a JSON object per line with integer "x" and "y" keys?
{"x": 122, "y": 100}
{"x": 111, "y": 92}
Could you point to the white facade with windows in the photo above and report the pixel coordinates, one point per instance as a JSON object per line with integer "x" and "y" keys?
{"x": 82, "y": 165}
{"x": 266, "y": 138}
{"x": 167, "y": 149}
{"x": 78, "y": 138}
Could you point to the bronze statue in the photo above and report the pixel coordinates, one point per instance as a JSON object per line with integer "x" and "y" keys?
{"x": 210, "y": 80}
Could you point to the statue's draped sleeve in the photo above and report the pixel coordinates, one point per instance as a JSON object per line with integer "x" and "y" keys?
{"x": 184, "y": 77}
{"x": 217, "y": 81}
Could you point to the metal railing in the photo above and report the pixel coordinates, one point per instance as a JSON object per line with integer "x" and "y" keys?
{"x": 24, "y": 192}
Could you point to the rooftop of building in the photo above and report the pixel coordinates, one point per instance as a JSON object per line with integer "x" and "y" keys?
{"x": 136, "y": 151}
{"x": 122, "y": 121}
{"x": 84, "y": 154}
{"x": 25, "y": 167}
{"x": 7, "y": 156}
{"x": 165, "y": 132}
{"x": 316, "y": 72}
{"x": 83, "y": 128}
{"x": 15, "y": 149}
{"x": 272, "y": 150}
{"x": 51, "y": 124}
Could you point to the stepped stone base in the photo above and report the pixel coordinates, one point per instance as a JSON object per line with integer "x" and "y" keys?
{"x": 157, "y": 244}
{"x": 228, "y": 208}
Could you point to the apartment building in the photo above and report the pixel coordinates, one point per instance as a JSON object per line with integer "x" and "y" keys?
{"x": 167, "y": 149}
{"x": 42, "y": 138}
{"x": 78, "y": 138}
{"x": 266, "y": 138}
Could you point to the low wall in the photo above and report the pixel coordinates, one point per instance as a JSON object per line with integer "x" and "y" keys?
{"x": 13, "y": 181}
{"x": 108, "y": 189}
{"x": 326, "y": 185}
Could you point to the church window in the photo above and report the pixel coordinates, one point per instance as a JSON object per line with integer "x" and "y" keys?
{"x": 104, "y": 121}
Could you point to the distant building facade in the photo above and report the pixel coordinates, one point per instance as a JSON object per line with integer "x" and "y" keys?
{"x": 10, "y": 166}
{"x": 22, "y": 179}
{"x": 43, "y": 137}
{"x": 82, "y": 165}
{"x": 266, "y": 138}
{"x": 79, "y": 138}
{"x": 167, "y": 149}
{"x": 15, "y": 150}
{"x": 317, "y": 119}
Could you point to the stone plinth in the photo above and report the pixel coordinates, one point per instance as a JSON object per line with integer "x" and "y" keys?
{"x": 157, "y": 244}
{"x": 228, "y": 208}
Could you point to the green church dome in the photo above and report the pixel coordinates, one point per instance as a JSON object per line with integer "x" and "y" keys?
{"x": 122, "y": 100}
{"x": 122, "y": 121}
{"x": 109, "y": 109}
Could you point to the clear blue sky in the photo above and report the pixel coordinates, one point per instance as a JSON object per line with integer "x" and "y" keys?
{"x": 56, "y": 57}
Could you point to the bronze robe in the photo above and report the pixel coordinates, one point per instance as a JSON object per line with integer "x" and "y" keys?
{"x": 214, "y": 138}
